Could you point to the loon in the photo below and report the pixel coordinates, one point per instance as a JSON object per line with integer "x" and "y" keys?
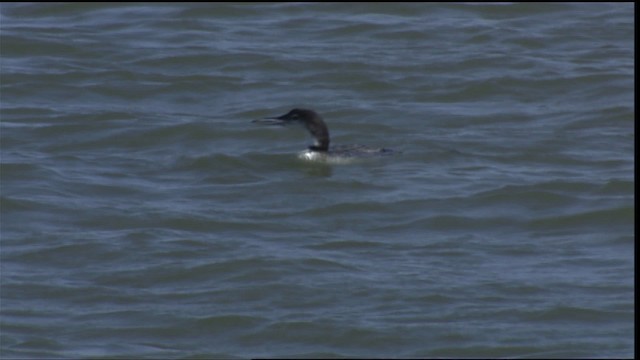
{"x": 320, "y": 132}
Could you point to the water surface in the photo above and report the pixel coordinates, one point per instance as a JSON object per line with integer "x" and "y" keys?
{"x": 143, "y": 215}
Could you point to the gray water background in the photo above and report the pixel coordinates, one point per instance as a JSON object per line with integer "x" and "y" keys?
{"x": 143, "y": 215}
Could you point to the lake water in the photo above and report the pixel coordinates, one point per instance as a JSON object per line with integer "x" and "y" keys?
{"x": 143, "y": 215}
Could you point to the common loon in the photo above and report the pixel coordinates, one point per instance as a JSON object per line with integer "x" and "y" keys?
{"x": 318, "y": 129}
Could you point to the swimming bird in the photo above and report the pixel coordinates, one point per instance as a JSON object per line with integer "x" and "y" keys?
{"x": 320, "y": 132}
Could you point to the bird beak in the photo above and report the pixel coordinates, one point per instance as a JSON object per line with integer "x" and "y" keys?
{"x": 271, "y": 121}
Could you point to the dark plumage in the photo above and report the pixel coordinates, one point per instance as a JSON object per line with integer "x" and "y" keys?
{"x": 318, "y": 129}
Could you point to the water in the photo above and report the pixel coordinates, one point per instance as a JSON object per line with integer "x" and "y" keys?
{"x": 143, "y": 214}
